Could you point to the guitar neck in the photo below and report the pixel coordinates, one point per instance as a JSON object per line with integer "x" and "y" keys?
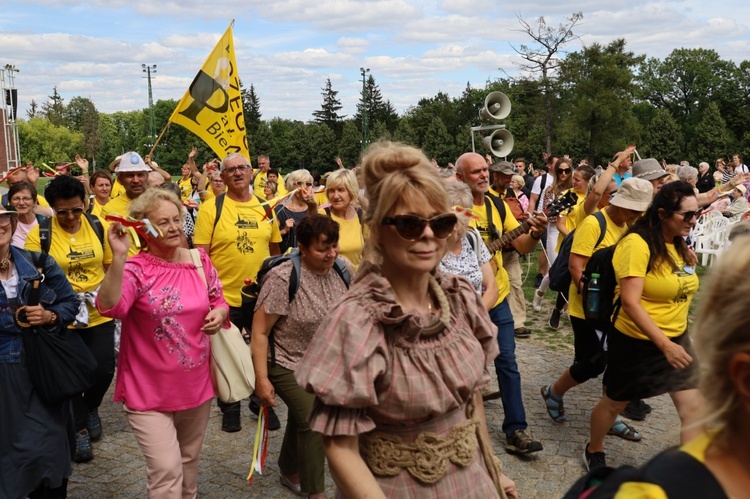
{"x": 506, "y": 238}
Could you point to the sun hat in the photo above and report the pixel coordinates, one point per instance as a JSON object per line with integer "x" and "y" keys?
{"x": 132, "y": 162}
{"x": 504, "y": 167}
{"x": 648, "y": 169}
{"x": 633, "y": 194}
{"x": 8, "y": 212}
{"x": 115, "y": 162}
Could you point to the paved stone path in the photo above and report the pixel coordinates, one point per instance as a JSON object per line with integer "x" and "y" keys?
{"x": 119, "y": 470}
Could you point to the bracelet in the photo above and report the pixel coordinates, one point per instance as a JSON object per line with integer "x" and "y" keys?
{"x": 534, "y": 237}
{"x": 53, "y": 320}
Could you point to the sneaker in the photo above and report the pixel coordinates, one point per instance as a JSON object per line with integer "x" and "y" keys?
{"x": 488, "y": 393}
{"x": 84, "y": 453}
{"x": 538, "y": 280}
{"x": 296, "y": 488}
{"x": 273, "y": 420}
{"x": 554, "y": 319}
{"x": 94, "y": 426}
{"x": 230, "y": 421}
{"x": 636, "y": 410}
{"x": 537, "y": 302}
{"x": 522, "y": 332}
{"x": 593, "y": 460}
{"x": 519, "y": 442}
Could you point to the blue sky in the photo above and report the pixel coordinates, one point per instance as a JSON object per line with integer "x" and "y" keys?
{"x": 287, "y": 48}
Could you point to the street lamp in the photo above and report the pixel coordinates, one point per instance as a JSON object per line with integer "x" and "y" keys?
{"x": 151, "y": 68}
{"x": 365, "y": 130}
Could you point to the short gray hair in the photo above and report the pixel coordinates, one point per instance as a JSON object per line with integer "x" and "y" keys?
{"x": 687, "y": 172}
{"x": 459, "y": 194}
{"x": 232, "y": 156}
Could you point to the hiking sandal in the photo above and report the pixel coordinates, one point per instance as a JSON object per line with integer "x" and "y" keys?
{"x": 555, "y": 407}
{"x": 623, "y": 430}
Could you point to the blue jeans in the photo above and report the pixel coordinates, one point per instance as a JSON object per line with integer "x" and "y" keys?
{"x": 507, "y": 370}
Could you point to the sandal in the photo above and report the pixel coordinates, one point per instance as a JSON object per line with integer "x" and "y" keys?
{"x": 623, "y": 430}
{"x": 555, "y": 407}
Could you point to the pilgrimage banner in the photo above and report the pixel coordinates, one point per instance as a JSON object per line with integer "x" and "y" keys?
{"x": 212, "y": 106}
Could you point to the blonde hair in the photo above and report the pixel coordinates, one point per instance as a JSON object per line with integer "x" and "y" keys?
{"x": 519, "y": 180}
{"x": 722, "y": 329}
{"x": 396, "y": 173}
{"x": 148, "y": 201}
{"x": 297, "y": 176}
{"x": 345, "y": 178}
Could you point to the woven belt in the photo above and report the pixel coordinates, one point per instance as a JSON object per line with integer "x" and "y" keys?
{"x": 427, "y": 458}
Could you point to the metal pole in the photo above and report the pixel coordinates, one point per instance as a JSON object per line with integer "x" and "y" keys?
{"x": 9, "y": 117}
{"x": 148, "y": 69}
{"x": 365, "y": 129}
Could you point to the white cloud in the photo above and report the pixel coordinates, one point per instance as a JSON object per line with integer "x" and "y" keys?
{"x": 353, "y": 45}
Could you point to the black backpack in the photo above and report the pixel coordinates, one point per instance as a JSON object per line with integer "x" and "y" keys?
{"x": 559, "y": 272}
{"x": 45, "y": 230}
{"x": 251, "y": 290}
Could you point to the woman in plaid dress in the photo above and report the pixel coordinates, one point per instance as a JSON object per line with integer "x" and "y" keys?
{"x": 398, "y": 363}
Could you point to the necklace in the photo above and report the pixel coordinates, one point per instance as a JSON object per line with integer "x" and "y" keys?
{"x": 5, "y": 262}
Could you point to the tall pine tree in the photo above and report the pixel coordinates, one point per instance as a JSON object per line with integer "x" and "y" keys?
{"x": 328, "y": 114}
{"x": 250, "y": 108}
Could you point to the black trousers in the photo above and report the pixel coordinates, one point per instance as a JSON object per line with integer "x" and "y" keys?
{"x": 100, "y": 340}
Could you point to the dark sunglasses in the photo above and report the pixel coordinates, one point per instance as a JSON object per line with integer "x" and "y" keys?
{"x": 64, "y": 213}
{"x": 300, "y": 184}
{"x": 411, "y": 227}
{"x": 688, "y": 216}
{"x": 564, "y": 171}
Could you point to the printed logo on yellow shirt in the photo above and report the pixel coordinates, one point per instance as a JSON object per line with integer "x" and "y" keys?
{"x": 245, "y": 224}
{"x": 74, "y": 255}
{"x": 244, "y": 244}
{"x": 76, "y": 273}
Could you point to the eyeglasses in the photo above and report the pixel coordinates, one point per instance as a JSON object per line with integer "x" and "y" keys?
{"x": 300, "y": 184}
{"x": 688, "y": 216}
{"x": 24, "y": 199}
{"x": 76, "y": 212}
{"x": 5, "y": 220}
{"x": 411, "y": 227}
{"x": 240, "y": 168}
{"x": 564, "y": 171}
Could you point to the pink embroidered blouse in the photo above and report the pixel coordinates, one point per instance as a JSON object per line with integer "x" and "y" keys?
{"x": 164, "y": 357}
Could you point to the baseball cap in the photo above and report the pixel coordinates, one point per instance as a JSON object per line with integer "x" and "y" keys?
{"x": 633, "y": 194}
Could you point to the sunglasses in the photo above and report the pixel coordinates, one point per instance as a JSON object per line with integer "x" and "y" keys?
{"x": 688, "y": 216}
{"x": 564, "y": 171}
{"x": 5, "y": 219}
{"x": 411, "y": 227}
{"x": 76, "y": 212}
{"x": 300, "y": 184}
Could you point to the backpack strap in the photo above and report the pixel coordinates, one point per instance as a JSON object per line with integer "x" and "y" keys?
{"x": 96, "y": 224}
{"x": 542, "y": 183}
{"x": 327, "y": 209}
{"x": 343, "y": 272}
{"x": 488, "y": 208}
{"x": 500, "y": 205}
{"x": 602, "y": 227}
{"x": 475, "y": 240}
{"x": 45, "y": 234}
{"x": 219, "y": 207}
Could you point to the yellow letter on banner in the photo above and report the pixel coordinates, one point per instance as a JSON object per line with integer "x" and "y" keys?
{"x": 212, "y": 106}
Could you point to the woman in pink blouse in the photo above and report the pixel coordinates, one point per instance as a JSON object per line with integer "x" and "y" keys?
{"x": 167, "y": 312}
{"x": 397, "y": 364}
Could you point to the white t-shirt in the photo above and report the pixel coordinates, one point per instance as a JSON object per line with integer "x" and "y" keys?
{"x": 537, "y": 188}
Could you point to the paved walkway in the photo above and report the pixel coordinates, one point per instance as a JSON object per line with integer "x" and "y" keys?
{"x": 119, "y": 470}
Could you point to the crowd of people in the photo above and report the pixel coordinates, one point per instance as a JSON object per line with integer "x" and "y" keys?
{"x": 408, "y": 289}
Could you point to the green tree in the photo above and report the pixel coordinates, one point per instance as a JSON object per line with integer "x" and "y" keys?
{"x": 250, "y": 109}
{"x": 405, "y": 132}
{"x": 350, "y": 146}
{"x": 664, "y": 137}
{"x": 438, "y": 143}
{"x": 323, "y": 147}
{"x": 712, "y": 138}
{"x": 54, "y": 108}
{"x": 598, "y": 88}
{"x": 261, "y": 142}
{"x": 380, "y": 132}
{"x": 328, "y": 114}
{"x": 109, "y": 140}
{"x": 81, "y": 116}
{"x": 33, "y": 110}
{"x": 41, "y": 141}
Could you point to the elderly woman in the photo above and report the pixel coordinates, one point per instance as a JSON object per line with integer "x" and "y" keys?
{"x": 216, "y": 185}
{"x": 343, "y": 194}
{"x": 22, "y": 197}
{"x": 705, "y": 180}
{"x": 517, "y": 183}
{"x": 36, "y": 436}
{"x": 290, "y": 326}
{"x": 101, "y": 185}
{"x": 77, "y": 242}
{"x": 291, "y": 213}
{"x": 411, "y": 367}
{"x": 167, "y": 312}
{"x": 649, "y": 349}
{"x": 688, "y": 174}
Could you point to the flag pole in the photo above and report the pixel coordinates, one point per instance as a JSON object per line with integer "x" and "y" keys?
{"x": 158, "y": 139}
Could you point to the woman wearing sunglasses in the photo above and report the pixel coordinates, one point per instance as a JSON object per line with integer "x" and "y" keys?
{"x": 291, "y": 212}
{"x": 77, "y": 248}
{"x": 649, "y": 350}
{"x": 402, "y": 357}
{"x": 343, "y": 195}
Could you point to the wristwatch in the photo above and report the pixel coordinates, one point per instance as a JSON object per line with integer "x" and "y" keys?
{"x": 53, "y": 321}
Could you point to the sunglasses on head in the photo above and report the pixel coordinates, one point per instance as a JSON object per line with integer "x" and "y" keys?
{"x": 411, "y": 227}
{"x": 564, "y": 171}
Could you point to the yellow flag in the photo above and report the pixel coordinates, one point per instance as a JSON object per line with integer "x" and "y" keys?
{"x": 212, "y": 106}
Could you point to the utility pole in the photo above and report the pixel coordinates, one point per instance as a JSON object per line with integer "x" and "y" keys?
{"x": 151, "y": 68}
{"x": 365, "y": 130}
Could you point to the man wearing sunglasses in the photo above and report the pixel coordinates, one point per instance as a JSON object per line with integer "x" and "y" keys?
{"x": 261, "y": 177}
{"x": 472, "y": 169}
{"x": 236, "y": 232}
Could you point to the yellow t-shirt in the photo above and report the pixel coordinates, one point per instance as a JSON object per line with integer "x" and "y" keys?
{"x": 586, "y": 235}
{"x": 239, "y": 243}
{"x": 351, "y": 238}
{"x": 321, "y": 197}
{"x": 97, "y": 208}
{"x": 570, "y": 216}
{"x": 80, "y": 256}
{"x": 186, "y": 188}
{"x": 482, "y": 225}
{"x": 117, "y": 188}
{"x": 259, "y": 183}
{"x": 667, "y": 292}
{"x": 119, "y": 206}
